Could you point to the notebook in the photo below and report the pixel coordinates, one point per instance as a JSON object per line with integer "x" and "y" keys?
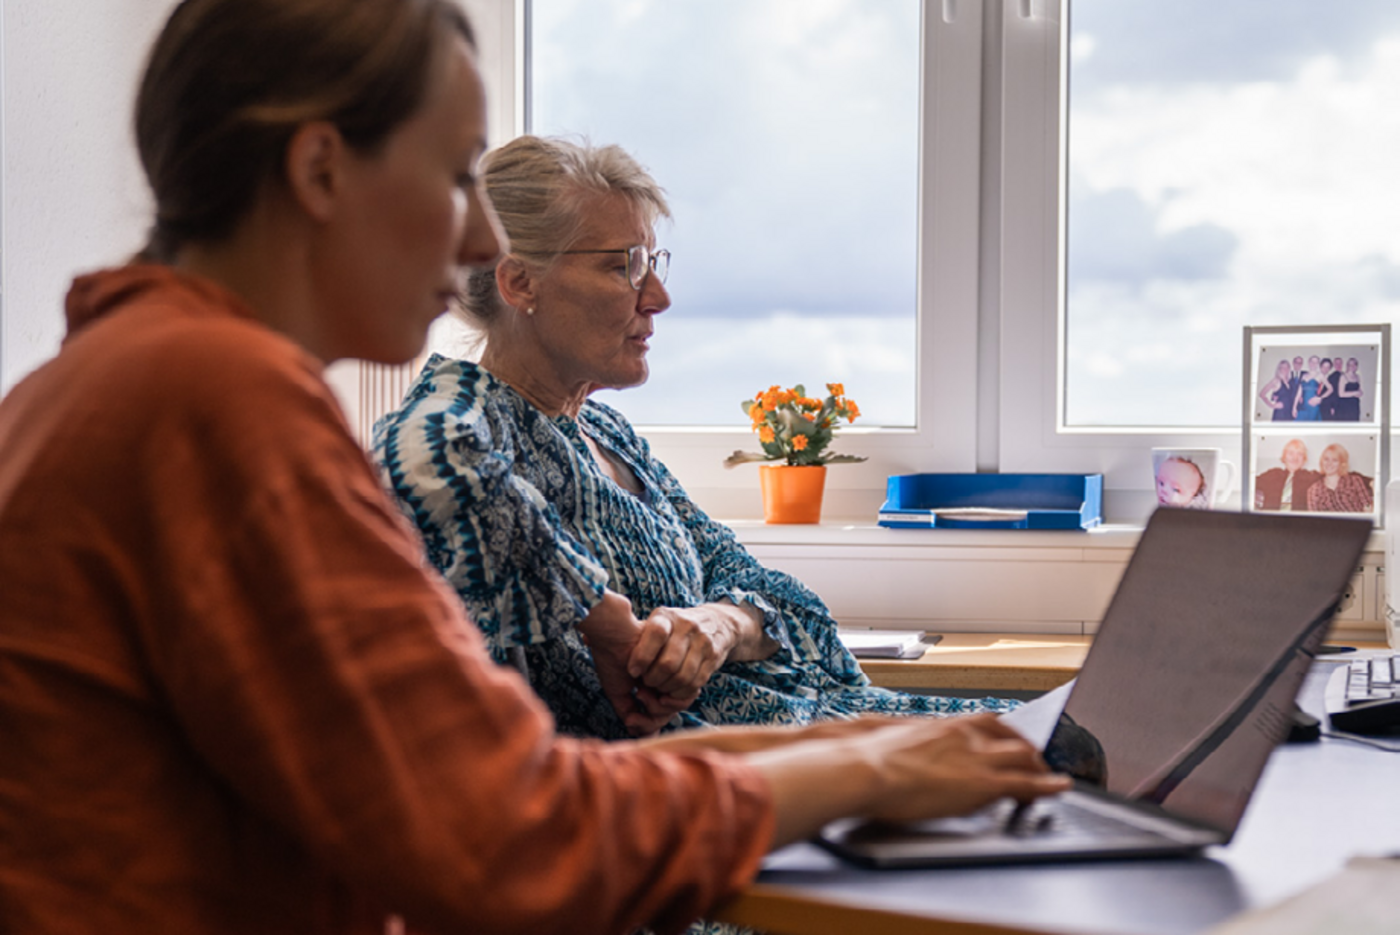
{"x": 886, "y": 644}
{"x": 1187, "y": 689}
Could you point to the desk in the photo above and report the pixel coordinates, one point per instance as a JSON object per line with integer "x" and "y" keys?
{"x": 985, "y": 662}
{"x": 994, "y": 662}
{"x": 1317, "y": 805}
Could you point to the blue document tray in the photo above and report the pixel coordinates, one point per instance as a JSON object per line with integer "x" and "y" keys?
{"x": 993, "y": 501}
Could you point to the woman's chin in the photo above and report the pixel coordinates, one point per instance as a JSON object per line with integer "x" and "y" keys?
{"x": 631, "y": 377}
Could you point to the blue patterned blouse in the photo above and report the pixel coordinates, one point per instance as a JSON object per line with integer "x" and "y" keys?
{"x": 520, "y": 519}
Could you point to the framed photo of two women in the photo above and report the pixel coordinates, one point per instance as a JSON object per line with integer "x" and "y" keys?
{"x": 1317, "y": 419}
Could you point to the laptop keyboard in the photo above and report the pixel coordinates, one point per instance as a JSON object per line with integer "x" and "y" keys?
{"x": 1065, "y": 819}
{"x": 1363, "y": 696}
{"x": 1372, "y": 679}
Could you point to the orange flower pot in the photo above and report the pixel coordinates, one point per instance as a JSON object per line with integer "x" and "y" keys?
{"x": 792, "y": 494}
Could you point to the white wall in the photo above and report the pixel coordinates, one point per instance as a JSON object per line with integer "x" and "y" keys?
{"x": 74, "y": 198}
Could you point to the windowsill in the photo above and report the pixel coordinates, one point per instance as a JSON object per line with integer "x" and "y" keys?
{"x": 862, "y": 532}
{"x": 865, "y": 533}
{"x": 988, "y": 581}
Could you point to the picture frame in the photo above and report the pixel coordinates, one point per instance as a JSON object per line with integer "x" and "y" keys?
{"x": 1316, "y": 414}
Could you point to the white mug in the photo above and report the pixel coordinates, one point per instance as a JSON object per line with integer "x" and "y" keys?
{"x": 1194, "y": 478}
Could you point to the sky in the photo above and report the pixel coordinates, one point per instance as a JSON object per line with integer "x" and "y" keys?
{"x": 1238, "y": 168}
{"x": 1230, "y": 163}
{"x": 786, "y": 135}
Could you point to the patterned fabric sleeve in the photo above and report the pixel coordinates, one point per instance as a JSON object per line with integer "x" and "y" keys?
{"x": 793, "y": 615}
{"x": 448, "y": 457}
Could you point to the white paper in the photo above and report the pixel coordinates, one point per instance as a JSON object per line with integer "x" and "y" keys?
{"x": 889, "y": 644}
{"x": 1035, "y": 720}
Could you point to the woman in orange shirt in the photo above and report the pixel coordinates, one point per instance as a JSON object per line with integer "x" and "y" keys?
{"x": 231, "y": 698}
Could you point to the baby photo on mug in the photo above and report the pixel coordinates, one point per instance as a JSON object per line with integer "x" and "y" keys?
{"x": 1193, "y": 478}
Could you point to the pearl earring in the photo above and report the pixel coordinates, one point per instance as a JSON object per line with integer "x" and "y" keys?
{"x": 530, "y": 310}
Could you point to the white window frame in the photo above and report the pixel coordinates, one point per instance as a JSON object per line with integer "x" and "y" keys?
{"x": 1033, "y": 435}
{"x": 990, "y": 275}
{"x": 948, "y": 281}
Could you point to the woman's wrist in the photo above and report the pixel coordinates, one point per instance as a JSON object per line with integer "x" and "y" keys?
{"x": 817, "y": 781}
{"x": 751, "y": 641}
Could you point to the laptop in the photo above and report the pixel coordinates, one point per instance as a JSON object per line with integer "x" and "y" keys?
{"x": 1188, "y": 687}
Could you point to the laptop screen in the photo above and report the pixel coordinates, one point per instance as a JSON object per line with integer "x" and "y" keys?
{"x": 1212, "y": 629}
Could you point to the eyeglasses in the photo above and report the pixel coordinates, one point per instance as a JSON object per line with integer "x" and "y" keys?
{"x": 639, "y": 261}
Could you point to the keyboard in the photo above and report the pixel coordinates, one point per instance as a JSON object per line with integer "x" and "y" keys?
{"x": 1363, "y": 695}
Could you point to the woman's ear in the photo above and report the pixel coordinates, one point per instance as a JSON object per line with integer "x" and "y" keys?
{"x": 516, "y": 283}
{"x": 315, "y": 167}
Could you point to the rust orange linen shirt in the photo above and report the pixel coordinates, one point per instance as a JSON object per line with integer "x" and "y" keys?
{"x": 233, "y": 701}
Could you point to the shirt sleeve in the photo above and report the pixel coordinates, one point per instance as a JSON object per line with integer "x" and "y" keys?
{"x": 793, "y": 616}
{"x": 336, "y": 686}
{"x": 449, "y": 460}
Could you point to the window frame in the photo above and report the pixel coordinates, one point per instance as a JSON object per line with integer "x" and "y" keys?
{"x": 1032, "y": 287}
{"x": 990, "y": 274}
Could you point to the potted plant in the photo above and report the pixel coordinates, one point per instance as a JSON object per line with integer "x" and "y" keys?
{"x": 795, "y": 429}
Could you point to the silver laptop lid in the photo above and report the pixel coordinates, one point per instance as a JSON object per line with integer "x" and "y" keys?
{"x": 1210, "y": 632}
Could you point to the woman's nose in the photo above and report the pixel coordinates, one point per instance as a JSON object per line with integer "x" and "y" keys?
{"x": 653, "y": 297}
{"x": 483, "y": 241}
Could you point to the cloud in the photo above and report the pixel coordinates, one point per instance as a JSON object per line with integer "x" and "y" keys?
{"x": 786, "y": 134}
{"x": 1116, "y": 235}
{"x": 1203, "y": 42}
{"x": 869, "y": 356}
{"x": 1200, "y": 205}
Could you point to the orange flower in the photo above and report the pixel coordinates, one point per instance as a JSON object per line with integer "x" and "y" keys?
{"x": 853, "y": 409}
{"x": 810, "y": 416}
{"x": 836, "y": 389}
{"x": 765, "y": 434}
{"x": 799, "y": 443}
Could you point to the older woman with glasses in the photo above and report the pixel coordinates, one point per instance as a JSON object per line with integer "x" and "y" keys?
{"x": 547, "y": 512}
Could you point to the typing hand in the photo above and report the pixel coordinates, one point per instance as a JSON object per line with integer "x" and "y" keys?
{"x": 955, "y": 765}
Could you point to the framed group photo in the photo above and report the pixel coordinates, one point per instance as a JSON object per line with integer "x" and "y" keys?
{"x": 1316, "y": 414}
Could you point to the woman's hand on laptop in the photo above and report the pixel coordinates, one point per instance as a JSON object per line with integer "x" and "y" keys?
{"x": 902, "y": 770}
{"x": 960, "y": 766}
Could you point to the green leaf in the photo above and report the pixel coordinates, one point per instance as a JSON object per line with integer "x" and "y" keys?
{"x": 744, "y": 457}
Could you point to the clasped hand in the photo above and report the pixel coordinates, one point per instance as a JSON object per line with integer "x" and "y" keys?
{"x": 654, "y": 668}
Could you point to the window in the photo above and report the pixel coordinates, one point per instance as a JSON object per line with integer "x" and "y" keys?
{"x": 786, "y": 133}
{"x": 945, "y": 271}
{"x": 1201, "y": 237}
{"x": 1229, "y": 164}
{"x": 1035, "y": 351}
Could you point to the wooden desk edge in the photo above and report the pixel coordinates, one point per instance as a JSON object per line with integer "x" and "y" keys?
{"x": 988, "y": 662}
{"x": 968, "y": 678}
{"x": 778, "y": 910}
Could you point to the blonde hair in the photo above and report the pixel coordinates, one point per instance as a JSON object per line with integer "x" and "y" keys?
{"x": 1292, "y": 444}
{"x": 1343, "y": 458}
{"x": 541, "y": 188}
